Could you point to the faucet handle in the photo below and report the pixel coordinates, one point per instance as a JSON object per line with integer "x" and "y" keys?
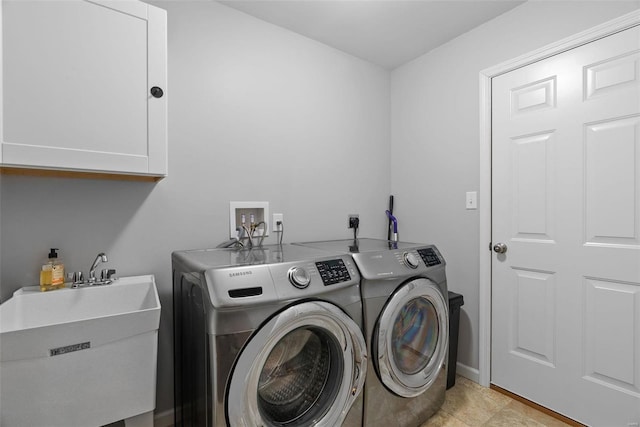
{"x": 107, "y": 274}
{"x": 78, "y": 277}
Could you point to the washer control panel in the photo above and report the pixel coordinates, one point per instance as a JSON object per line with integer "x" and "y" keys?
{"x": 429, "y": 257}
{"x": 333, "y": 271}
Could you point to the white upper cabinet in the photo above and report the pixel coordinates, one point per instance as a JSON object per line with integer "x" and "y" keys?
{"x": 84, "y": 86}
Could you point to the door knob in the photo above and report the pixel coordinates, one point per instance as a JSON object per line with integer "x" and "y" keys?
{"x": 500, "y": 248}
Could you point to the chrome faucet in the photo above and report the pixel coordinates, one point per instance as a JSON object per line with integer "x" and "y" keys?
{"x": 102, "y": 257}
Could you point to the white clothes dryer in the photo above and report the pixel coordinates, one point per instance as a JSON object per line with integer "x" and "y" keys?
{"x": 269, "y": 336}
{"x": 406, "y": 320}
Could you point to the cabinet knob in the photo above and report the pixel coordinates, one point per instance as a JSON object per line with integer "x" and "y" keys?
{"x": 156, "y": 92}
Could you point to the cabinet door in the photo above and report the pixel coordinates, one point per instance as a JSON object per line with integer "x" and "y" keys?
{"x": 76, "y": 86}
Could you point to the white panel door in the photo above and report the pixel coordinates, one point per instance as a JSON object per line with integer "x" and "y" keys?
{"x": 566, "y": 205}
{"x": 76, "y": 86}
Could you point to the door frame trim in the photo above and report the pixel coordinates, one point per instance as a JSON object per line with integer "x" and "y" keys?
{"x": 603, "y": 30}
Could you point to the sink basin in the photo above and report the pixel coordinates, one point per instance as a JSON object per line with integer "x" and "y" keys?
{"x": 79, "y": 357}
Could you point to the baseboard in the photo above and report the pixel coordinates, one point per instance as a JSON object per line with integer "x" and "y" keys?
{"x": 468, "y": 372}
{"x": 163, "y": 419}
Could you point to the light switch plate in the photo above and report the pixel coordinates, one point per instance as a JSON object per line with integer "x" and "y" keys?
{"x": 472, "y": 200}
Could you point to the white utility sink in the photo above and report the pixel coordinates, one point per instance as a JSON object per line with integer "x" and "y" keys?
{"x": 80, "y": 357}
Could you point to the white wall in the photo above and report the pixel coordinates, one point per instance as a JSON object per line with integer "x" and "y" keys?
{"x": 255, "y": 113}
{"x": 435, "y": 139}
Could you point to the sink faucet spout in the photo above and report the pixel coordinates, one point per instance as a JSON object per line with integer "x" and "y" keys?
{"x": 102, "y": 257}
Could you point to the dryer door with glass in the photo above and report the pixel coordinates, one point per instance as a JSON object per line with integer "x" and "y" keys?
{"x": 306, "y": 366}
{"x": 411, "y": 338}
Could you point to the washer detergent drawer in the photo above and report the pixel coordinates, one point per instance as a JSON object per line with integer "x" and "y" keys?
{"x": 306, "y": 366}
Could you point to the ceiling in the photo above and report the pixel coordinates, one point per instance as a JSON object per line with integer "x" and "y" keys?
{"x": 385, "y": 32}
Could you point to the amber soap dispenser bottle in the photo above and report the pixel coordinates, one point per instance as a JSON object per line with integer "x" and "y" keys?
{"x": 52, "y": 273}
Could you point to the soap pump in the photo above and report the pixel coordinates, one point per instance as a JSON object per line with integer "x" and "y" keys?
{"x": 52, "y": 272}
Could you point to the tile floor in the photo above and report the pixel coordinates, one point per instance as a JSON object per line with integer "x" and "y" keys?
{"x": 468, "y": 404}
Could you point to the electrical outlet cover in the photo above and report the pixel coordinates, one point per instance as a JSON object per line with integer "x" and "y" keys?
{"x": 276, "y": 217}
{"x": 352, "y": 216}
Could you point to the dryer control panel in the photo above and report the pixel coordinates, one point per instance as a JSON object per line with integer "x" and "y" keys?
{"x": 429, "y": 257}
{"x": 333, "y": 271}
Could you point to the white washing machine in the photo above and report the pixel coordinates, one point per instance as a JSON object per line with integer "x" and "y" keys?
{"x": 406, "y": 318}
{"x": 269, "y": 336}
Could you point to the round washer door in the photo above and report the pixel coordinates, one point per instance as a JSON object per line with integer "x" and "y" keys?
{"x": 305, "y": 366}
{"x": 411, "y": 338}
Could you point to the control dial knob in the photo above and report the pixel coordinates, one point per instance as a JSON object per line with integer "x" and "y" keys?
{"x": 299, "y": 277}
{"x": 410, "y": 259}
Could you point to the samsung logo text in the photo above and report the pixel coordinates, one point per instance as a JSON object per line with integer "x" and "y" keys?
{"x": 240, "y": 273}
